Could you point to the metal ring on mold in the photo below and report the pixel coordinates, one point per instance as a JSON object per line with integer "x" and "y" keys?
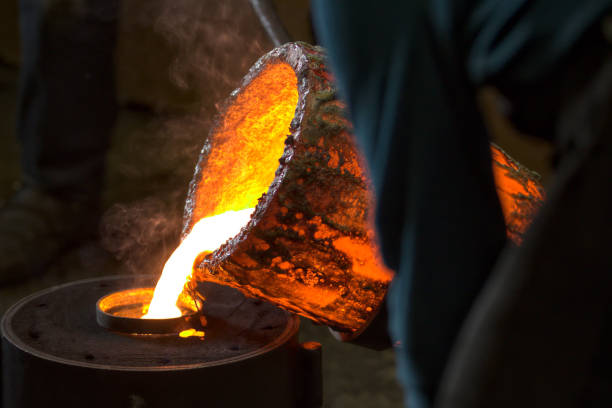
{"x": 122, "y": 311}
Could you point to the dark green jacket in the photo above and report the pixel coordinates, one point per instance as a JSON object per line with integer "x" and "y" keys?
{"x": 409, "y": 71}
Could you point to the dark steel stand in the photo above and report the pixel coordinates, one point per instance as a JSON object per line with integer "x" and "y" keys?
{"x": 55, "y": 354}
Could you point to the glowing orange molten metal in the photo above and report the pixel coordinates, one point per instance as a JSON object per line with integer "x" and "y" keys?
{"x": 207, "y": 235}
{"x": 239, "y": 170}
{"x": 248, "y": 142}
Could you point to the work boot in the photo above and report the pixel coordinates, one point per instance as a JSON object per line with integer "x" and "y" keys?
{"x": 36, "y": 227}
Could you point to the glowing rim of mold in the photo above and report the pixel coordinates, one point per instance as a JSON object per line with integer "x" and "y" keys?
{"x": 106, "y": 314}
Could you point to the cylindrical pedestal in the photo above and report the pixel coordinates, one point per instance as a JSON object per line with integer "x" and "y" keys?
{"x": 54, "y": 354}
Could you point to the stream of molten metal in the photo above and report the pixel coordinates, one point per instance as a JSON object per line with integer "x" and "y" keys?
{"x": 206, "y": 235}
{"x": 240, "y": 167}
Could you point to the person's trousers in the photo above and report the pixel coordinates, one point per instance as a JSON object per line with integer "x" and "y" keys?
{"x": 409, "y": 72}
{"x": 67, "y": 104}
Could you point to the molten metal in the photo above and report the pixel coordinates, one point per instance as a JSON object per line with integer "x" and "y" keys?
{"x": 252, "y": 136}
{"x": 206, "y": 235}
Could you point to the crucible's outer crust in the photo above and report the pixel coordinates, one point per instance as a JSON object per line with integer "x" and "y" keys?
{"x": 309, "y": 246}
{"x": 520, "y": 192}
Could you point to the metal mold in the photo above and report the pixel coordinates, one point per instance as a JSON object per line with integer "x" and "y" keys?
{"x": 54, "y": 353}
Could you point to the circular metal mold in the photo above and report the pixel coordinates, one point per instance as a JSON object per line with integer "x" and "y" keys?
{"x": 122, "y": 312}
{"x": 51, "y": 341}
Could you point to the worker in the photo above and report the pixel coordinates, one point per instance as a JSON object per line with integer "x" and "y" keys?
{"x": 67, "y": 109}
{"x": 409, "y": 72}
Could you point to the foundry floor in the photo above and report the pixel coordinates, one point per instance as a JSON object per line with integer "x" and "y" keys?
{"x": 142, "y": 186}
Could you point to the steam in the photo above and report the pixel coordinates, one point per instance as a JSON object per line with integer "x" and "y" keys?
{"x": 210, "y": 46}
{"x": 215, "y": 41}
{"x": 141, "y": 235}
